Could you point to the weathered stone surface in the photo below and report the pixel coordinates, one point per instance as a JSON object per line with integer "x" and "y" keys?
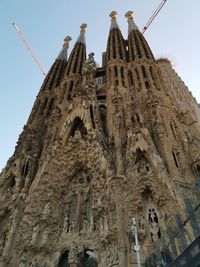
{"x": 93, "y": 155}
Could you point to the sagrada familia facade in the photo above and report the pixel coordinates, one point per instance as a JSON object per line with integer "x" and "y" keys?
{"x": 103, "y": 145}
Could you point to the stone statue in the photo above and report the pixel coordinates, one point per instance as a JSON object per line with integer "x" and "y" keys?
{"x": 72, "y": 257}
{"x": 47, "y": 210}
{"x": 35, "y": 233}
{"x": 111, "y": 258}
{"x": 66, "y": 224}
{"x": 89, "y": 66}
{"x": 143, "y": 166}
{"x": 44, "y": 237}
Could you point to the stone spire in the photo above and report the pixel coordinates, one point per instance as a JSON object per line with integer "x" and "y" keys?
{"x": 131, "y": 24}
{"x": 114, "y": 24}
{"x": 55, "y": 74}
{"x": 137, "y": 45}
{"x": 78, "y": 54}
{"x": 116, "y": 45}
{"x": 81, "y": 38}
{"x": 63, "y": 53}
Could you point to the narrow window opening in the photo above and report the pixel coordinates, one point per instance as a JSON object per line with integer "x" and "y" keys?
{"x": 175, "y": 159}
{"x": 51, "y": 104}
{"x": 130, "y": 78}
{"x": 147, "y": 85}
{"x": 25, "y": 169}
{"x": 92, "y": 117}
{"x": 71, "y": 85}
{"x": 63, "y": 262}
{"x": 101, "y": 97}
{"x": 44, "y": 104}
{"x": 144, "y": 72}
{"x": 78, "y": 126}
{"x": 12, "y": 181}
{"x": 173, "y": 131}
{"x": 115, "y": 70}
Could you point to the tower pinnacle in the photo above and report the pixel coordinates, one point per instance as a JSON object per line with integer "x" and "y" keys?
{"x": 63, "y": 52}
{"x": 131, "y": 24}
{"x": 114, "y": 23}
{"x": 81, "y": 38}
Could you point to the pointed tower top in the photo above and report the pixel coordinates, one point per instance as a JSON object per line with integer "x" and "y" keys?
{"x": 131, "y": 24}
{"x": 114, "y": 23}
{"x": 81, "y": 38}
{"x": 63, "y": 52}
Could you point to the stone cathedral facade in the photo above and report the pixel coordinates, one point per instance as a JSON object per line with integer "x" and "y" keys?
{"x": 103, "y": 145}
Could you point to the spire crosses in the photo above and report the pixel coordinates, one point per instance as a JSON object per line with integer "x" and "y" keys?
{"x": 81, "y": 38}
{"x": 131, "y": 24}
{"x": 63, "y": 52}
{"x": 114, "y": 23}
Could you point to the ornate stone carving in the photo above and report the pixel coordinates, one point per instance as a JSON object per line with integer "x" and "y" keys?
{"x": 35, "y": 232}
{"x": 47, "y": 211}
{"x": 22, "y": 261}
{"x": 73, "y": 254}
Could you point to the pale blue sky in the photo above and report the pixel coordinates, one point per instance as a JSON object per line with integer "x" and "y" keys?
{"x": 45, "y": 23}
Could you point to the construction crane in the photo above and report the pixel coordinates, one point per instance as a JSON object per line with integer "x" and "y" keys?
{"x": 29, "y": 49}
{"x": 155, "y": 13}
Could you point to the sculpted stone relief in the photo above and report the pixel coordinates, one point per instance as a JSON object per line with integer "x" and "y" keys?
{"x": 142, "y": 166}
{"x": 111, "y": 257}
{"x": 35, "y": 233}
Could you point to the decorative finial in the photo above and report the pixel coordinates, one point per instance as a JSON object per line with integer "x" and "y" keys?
{"x": 129, "y": 14}
{"x": 83, "y": 27}
{"x": 66, "y": 41}
{"x": 113, "y": 14}
{"x": 114, "y": 24}
{"x": 131, "y": 23}
{"x": 63, "y": 52}
{"x": 81, "y": 38}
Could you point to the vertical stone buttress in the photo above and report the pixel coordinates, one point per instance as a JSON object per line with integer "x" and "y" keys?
{"x": 116, "y": 99}
{"x": 72, "y": 75}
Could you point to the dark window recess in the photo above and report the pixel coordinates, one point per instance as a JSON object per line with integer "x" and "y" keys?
{"x": 115, "y": 69}
{"x": 102, "y": 112}
{"x": 173, "y": 130}
{"x": 175, "y": 159}
{"x": 50, "y": 108}
{"x": 101, "y": 97}
{"x": 78, "y": 125}
{"x": 92, "y": 116}
{"x": 12, "y": 181}
{"x": 130, "y": 78}
{"x": 44, "y": 103}
{"x": 147, "y": 85}
{"x": 71, "y": 85}
{"x": 63, "y": 262}
{"x": 144, "y": 72}
{"x": 25, "y": 169}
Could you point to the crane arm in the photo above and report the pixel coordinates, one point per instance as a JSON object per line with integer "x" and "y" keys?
{"x": 29, "y": 49}
{"x": 155, "y": 13}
